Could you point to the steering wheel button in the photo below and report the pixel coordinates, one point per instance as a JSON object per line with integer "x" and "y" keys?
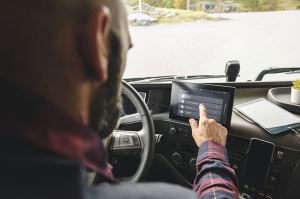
{"x": 126, "y": 140}
{"x": 116, "y": 142}
{"x": 136, "y": 141}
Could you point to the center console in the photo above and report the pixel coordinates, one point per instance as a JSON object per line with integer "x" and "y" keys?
{"x": 258, "y": 164}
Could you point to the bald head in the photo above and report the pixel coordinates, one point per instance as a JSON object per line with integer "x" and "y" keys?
{"x": 29, "y": 27}
{"x": 65, "y": 50}
{"x": 119, "y": 23}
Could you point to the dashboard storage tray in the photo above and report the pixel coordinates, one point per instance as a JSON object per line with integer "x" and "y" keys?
{"x": 281, "y": 96}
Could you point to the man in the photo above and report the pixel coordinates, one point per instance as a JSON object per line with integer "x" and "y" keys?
{"x": 61, "y": 70}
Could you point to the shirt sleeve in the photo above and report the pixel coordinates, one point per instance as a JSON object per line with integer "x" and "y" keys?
{"x": 214, "y": 178}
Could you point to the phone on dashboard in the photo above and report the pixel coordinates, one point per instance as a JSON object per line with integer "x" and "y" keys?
{"x": 260, "y": 155}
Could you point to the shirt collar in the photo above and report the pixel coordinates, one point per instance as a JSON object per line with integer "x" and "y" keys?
{"x": 39, "y": 122}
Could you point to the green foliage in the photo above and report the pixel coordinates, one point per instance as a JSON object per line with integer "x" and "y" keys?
{"x": 179, "y": 4}
{"x": 182, "y": 16}
{"x": 297, "y": 4}
{"x": 269, "y": 5}
{"x": 133, "y": 2}
{"x": 296, "y": 84}
{"x": 160, "y": 3}
{"x": 252, "y": 5}
{"x": 247, "y": 5}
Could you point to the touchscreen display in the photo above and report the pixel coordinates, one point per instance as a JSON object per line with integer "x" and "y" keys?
{"x": 186, "y": 98}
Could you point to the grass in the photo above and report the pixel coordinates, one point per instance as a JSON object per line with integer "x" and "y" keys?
{"x": 182, "y": 16}
{"x": 281, "y": 5}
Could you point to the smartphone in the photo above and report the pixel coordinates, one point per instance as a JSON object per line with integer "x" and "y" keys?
{"x": 260, "y": 155}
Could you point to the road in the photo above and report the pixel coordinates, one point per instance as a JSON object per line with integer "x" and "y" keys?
{"x": 257, "y": 40}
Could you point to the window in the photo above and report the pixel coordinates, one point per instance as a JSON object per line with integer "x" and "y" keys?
{"x": 196, "y": 37}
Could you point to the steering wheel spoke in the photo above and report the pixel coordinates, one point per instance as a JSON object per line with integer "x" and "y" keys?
{"x": 135, "y": 143}
{"x": 125, "y": 143}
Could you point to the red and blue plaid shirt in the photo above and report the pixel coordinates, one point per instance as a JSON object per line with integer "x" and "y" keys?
{"x": 214, "y": 178}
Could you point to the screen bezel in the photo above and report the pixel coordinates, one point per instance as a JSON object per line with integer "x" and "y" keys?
{"x": 195, "y": 86}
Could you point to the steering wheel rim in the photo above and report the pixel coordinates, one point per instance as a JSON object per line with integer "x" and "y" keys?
{"x": 146, "y": 135}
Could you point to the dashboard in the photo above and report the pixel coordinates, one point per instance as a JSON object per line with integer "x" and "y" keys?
{"x": 177, "y": 152}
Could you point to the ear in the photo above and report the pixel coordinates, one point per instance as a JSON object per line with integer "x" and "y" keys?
{"x": 94, "y": 40}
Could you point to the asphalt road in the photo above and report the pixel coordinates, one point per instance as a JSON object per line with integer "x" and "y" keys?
{"x": 257, "y": 40}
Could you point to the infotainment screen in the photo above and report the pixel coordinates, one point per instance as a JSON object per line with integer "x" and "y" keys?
{"x": 186, "y": 98}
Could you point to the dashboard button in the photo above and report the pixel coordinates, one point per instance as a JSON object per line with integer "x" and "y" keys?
{"x": 245, "y": 196}
{"x": 273, "y": 179}
{"x": 177, "y": 158}
{"x": 125, "y": 141}
{"x": 180, "y": 129}
{"x": 279, "y": 155}
{"x": 193, "y": 163}
{"x": 268, "y": 196}
{"x": 253, "y": 190}
{"x": 260, "y": 195}
{"x": 173, "y": 131}
{"x": 246, "y": 187}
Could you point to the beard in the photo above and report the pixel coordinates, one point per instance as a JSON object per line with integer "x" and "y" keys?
{"x": 106, "y": 103}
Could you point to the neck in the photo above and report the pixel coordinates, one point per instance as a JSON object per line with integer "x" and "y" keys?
{"x": 69, "y": 93}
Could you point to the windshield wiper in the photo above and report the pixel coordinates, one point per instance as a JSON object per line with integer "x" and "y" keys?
{"x": 173, "y": 77}
{"x": 291, "y": 70}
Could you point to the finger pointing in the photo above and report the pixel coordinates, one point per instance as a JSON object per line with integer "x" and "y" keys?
{"x": 203, "y": 114}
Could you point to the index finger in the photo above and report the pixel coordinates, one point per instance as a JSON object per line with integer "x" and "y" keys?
{"x": 202, "y": 113}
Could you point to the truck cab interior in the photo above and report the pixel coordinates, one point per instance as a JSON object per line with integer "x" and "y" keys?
{"x": 175, "y": 65}
{"x": 261, "y": 173}
{"x": 240, "y": 58}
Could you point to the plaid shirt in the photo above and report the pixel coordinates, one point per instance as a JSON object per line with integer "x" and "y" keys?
{"x": 214, "y": 179}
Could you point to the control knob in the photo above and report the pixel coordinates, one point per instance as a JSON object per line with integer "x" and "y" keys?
{"x": 173, "y": 131}
{"x": 177, "y": 158}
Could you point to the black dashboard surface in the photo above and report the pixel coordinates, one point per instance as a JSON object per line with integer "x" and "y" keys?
{"x": 177, "y": 147}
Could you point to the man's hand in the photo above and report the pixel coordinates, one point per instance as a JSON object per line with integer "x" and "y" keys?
{"x": 207, "y": 129}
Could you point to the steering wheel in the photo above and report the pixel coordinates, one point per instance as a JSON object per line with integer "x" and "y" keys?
{"x": 127, "y": 143}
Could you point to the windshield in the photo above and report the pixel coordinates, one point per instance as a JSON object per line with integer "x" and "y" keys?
{"x": 196, "y": 37}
